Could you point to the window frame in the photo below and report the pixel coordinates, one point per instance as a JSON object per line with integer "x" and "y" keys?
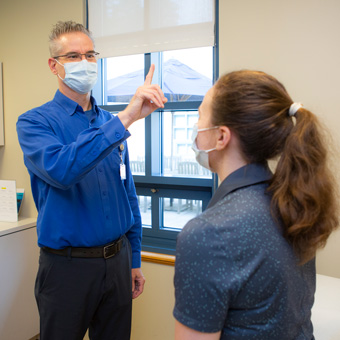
{"x": 159, "y": 239}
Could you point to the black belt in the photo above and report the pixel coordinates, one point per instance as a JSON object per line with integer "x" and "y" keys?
{"x": 106, "y": 251}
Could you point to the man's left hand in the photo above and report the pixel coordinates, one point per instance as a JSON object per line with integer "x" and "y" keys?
{"x": 138, "y": 281}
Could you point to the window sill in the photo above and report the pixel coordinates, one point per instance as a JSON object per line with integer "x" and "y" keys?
{"x": 164, "y": 259}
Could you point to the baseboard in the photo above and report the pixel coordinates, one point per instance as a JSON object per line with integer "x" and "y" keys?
{"x": 37, "y": 337}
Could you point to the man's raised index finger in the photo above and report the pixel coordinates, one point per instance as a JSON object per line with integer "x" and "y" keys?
{"x": 148, "y": 78}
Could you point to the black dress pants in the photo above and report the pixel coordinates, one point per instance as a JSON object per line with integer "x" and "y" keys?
{"x": 76, "y": 294}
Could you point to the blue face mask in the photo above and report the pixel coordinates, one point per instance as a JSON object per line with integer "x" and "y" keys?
{"x": 80, "y": 76}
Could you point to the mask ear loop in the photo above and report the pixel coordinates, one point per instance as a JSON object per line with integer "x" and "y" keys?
{"x": 60, "y": 65}
{"x": 195, "y": 133}
{"x": 209, "y": 128}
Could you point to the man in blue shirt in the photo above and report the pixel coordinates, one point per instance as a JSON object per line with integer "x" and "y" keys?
{"x": 89, "y": 224}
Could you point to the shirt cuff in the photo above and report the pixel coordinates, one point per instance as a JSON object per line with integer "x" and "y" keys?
{"x": 136, "y": 260}
{"x": 115, "y": 131}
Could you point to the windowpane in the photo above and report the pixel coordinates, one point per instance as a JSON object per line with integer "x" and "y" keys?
{"x": 145, "y": 210}
{"x": 136, "y": 144}
{"x": 178, "y": 211}
{"x": 178, "y": 157}
{"x": 187, "y": 74}
{"x": 180, "y": 133}
{"x": 124, "y": 76}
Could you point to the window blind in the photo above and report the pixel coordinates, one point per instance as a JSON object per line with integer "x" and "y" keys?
{"x": 125, "y": 27}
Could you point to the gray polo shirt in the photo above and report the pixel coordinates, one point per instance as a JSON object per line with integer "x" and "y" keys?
{"x": 236, "y": 273}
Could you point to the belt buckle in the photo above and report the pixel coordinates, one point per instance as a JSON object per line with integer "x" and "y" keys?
{"x": 110, "y": 250}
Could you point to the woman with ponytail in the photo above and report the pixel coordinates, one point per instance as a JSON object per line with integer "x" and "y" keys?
{"x": 245, "y": 268}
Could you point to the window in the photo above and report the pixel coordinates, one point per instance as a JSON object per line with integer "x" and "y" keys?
{"x": 172, "y": 187}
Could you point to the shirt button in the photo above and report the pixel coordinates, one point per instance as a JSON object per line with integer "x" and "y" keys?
{"x": 117, "y": 134}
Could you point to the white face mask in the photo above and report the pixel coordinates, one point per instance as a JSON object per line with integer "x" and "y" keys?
{"x": 80, "y": 76}
{"x": 202, "y": 156}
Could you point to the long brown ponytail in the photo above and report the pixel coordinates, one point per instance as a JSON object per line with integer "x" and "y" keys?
{"x": 303, "y": 189}
{"x": 255, "y": 107}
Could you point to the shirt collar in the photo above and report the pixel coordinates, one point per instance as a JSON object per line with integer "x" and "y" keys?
{"x": 247, "y": 175}
{"x": 71, "y": 106}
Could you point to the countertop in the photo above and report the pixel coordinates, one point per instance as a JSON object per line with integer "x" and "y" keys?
{"x": 13, "y": 227}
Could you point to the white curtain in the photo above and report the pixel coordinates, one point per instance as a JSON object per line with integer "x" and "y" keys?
{"x": 125, "y": 27}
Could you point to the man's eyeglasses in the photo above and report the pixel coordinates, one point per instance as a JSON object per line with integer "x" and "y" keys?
{"x": 73, "y": 56}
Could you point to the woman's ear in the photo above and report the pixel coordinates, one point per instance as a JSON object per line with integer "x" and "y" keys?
{"x": 224, "y": 137}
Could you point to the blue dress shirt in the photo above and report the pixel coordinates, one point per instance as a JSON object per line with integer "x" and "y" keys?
{"x": 74, "y": 165}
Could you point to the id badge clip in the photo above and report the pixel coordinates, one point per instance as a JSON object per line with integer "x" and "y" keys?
{"x": 122, "y": 168}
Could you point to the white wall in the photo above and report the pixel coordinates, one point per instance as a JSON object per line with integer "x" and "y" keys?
{"x": 297, "y": 41}
{"x": 27, "y": 79}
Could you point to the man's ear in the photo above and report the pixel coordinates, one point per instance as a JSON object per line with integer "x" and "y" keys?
{"x": 224, "y": 137}
{"x": 52, "y": 64}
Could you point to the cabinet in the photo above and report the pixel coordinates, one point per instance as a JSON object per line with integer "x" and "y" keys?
{"x": 19, "y": 256}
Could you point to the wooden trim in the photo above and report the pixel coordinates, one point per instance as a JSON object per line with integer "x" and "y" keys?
{"x": 168, "y": 260}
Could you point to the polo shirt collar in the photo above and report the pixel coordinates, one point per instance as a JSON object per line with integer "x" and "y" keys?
{"x": 247, "y": 175}
{"x": 71, "y": 106}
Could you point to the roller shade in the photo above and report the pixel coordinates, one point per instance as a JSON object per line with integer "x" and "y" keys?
{"x": 125, "y": 27}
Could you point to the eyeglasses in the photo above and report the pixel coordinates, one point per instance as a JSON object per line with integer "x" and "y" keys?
{"x": 73, "y": 56}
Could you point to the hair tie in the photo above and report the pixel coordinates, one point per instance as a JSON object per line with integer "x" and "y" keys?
{"x": 294, "y": 108}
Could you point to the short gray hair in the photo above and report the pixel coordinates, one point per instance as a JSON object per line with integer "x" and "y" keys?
{"x": 64, "y": 27}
